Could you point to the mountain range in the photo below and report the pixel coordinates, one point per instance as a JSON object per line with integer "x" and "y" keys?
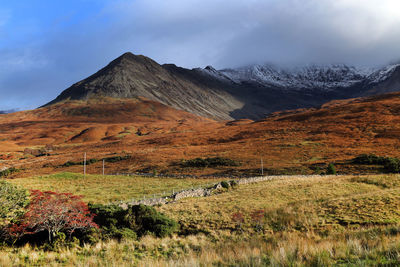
{"x": 251, "y": 92}
{"x": 162, "y": 115}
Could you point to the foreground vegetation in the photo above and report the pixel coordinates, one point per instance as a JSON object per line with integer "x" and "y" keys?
{"x": 319, "y": 221}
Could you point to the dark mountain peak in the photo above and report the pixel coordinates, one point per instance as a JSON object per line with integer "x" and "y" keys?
{"x": 210, "y": 68}
{"x": 133, "y": 76}
{"x": 127, "y": 54}
{"x": 130, "y": 58}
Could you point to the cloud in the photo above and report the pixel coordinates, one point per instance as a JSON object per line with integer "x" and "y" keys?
{"x": 36, "y": 65}
{"x": 233, "y": 33}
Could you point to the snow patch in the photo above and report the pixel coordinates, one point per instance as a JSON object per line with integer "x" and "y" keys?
{"x": 326, "y": 78}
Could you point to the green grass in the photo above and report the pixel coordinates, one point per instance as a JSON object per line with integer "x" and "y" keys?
{"x": 106, "y": 189}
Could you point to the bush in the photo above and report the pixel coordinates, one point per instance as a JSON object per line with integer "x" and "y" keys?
{"x": 13, "y": 201}
{"x": 140, "y": 219}
{"x": 7, "y": 172}
{"x": 117, "y": 158}
{"x": 390, "y": 165}
{"x": 73, "y": 163}
{"x": 53, "y": 213}
{"x": 370, "y": 159}
{"x": 331, "y": 170}
{"x": 225, "y": 184}
{"x": 112, "y": 219}
{"x": 125, "y": 233}
{"x": 209, "y": 162}
{"x": 148, "y": 220}
{"x": 92, "y": 161}
{"x": 109, "y": 215}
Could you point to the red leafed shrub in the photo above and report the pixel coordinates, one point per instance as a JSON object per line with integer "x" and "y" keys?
{"x": 257, "y": 217}
{"x": 238, "y": 218}
{"x": 54, "y": 212}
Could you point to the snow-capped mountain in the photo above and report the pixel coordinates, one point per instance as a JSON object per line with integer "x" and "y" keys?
{"x": 329, "y": 77}
{"x": 382, "y": 74}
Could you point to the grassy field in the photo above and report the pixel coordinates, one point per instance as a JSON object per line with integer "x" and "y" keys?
{"x": 106, "y": 189}
{"x": 320, "y": 221}
{"x": 321, "y": 202}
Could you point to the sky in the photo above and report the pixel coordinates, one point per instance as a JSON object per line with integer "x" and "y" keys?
{"x": 46, "y": 46}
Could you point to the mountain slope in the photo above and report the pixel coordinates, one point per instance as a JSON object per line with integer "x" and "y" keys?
{"x": 94, "y": 120}
{"x": 251, "y": 92}
{"x": 158, "y": 137}
{"x": 138, "y": 76}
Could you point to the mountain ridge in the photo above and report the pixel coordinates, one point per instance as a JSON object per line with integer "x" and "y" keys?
{"x": 303, "y": 77}
{"x": 138, "y": 76}
{"x": 251, "y": 92}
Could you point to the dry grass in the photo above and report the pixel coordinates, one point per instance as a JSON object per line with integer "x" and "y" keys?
{"x": 286, "y": 249}
{"x": 311, "y": 194}
{"x": 320, "y": 221}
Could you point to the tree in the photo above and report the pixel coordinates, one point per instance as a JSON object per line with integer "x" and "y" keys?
{"x": 13, "y": 200}
{"x": 54, "y": 212}
{"x": 331, "y": 169}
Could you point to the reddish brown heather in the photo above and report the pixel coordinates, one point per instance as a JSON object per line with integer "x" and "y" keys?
{"x": 159, "y": 137}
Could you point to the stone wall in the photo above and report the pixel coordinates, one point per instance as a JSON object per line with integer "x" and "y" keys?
{"x": 205, "y": 192}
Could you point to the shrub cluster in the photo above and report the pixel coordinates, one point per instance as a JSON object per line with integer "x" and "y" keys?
{"x": 331, "y": 170}
{"x": 73, "y": 163}
{"x": 7, "y": 172}
{"x": 13, "y": 200}
{"x": 228, "y": 184}
{"x": 369, "y": 159}
{"x": 92, "y": 161}
{"x": 390, "y": 165}
{"x": 117, "y": 158}
{"x": 52, "y": 219}
{"x": 137, "y": 220}
{"x": 208, "y": 162}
